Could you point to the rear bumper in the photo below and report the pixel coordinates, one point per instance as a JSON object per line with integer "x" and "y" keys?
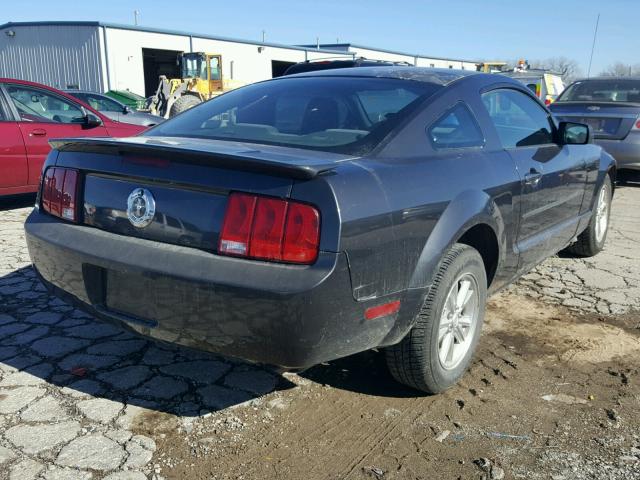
{"x": 283, "y": 315}
{"x": 626, "y": 152}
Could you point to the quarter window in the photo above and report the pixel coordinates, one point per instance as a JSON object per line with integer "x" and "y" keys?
{"x": 35, "y": 105}
{"x": 456, "y": 129}
{"x": 518, "y": 119}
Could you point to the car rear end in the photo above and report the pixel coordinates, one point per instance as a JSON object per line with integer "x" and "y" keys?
{"x": 611, "y": 107}
{"x": 226, "y": 278}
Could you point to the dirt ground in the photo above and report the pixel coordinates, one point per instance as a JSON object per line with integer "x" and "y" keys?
{"x": 553, "y": 392}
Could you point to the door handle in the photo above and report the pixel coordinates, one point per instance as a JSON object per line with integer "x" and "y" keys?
{"x": 38, "y": 132}
{"x": 533, "y": 177}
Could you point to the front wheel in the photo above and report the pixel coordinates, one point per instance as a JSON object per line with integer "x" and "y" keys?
{"x": 438, "y": 349}
{"x": 184, "y": 103}
{"x": 591, "y": 241}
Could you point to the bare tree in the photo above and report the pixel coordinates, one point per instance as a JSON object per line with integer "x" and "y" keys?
{"x": 620, "y": 69}
{"x": 567, "y": 68}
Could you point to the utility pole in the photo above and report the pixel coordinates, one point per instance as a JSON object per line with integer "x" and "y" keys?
{"x": 593, "y": 46}
{"x": 264, "y": 35}
{"x": 135, "y": 17}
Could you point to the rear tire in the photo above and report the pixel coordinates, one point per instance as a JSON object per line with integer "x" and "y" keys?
{"x": 183, "y": 104}
{"x": 591, "y": 241}
{"x": 438, "y": 349}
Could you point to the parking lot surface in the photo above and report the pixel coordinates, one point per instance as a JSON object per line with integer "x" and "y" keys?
{"x": 554, "y": 391}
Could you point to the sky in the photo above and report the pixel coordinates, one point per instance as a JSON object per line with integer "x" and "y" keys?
{"x": 467, "y": 29}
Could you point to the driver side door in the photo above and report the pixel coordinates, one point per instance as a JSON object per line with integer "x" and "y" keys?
{"x": 553, "y": 176}
{"x": 43, "y": 115}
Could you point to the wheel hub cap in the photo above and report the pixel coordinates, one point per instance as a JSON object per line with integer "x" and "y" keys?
{"x": 458, "y": 321}
{"x": 602, "y": 213}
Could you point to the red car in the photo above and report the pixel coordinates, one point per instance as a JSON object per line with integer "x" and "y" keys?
{"x": 30, "y": 115}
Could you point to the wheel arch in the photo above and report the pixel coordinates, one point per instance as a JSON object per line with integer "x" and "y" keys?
{"x": 483, "y": 238}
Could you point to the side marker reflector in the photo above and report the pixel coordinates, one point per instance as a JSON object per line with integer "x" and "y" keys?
{"x": 382, "y": 310}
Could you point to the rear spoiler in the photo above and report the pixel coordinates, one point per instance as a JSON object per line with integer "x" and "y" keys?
{"x": 246, "y": 160}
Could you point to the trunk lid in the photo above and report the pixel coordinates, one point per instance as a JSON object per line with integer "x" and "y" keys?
{"x": 189, "y": 181}
{"x": 609, "y": 120}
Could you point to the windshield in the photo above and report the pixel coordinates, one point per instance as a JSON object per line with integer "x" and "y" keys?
{"x": 602, "y": 91}
{"x": 339, "y": 114}
{"x": 193, "y": 66}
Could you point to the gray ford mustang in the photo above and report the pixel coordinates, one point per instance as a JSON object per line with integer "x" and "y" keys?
{"x": 313, "y": 216}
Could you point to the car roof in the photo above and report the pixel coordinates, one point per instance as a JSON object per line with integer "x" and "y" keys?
{"x": 75, "y": 90}
{"x": 607, "y": 78}
{"x": 330, "y": 63}
{"x": 438, "y": 76}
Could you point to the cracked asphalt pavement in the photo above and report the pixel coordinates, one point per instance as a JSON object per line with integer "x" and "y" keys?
{"x": 608, "y": 283}
{"x": 82, "y": 399}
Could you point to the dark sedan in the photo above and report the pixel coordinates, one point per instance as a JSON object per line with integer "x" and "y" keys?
{"x": 611, "y": 106}
{"x": 323, "y": 214}
{"x": 115, "y": 110}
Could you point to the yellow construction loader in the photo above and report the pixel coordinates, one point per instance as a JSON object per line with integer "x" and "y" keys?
{"x": 201, "y": 79}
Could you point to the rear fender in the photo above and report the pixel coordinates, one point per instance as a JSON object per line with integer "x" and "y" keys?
{"x": 467, "y": 210}
{"x": 470, "y": 208}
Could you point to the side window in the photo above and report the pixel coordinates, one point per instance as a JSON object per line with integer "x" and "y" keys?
{"x": 456, "y": 129}
{"x": 103, "y": 104}
{"x": 36, "y": 105}
{"x": 519, "y": 120}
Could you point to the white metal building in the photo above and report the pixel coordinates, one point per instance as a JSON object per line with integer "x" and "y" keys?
{"x": 103, "y": 56}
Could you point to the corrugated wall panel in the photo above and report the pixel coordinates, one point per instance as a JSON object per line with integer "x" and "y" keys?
{"x": 58, "y": 56}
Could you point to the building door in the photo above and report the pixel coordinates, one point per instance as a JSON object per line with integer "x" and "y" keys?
{"x": 158, "y": 62}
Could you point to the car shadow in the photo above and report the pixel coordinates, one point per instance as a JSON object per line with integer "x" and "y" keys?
{"x": 44, "y": 341}
{"x": 11, "y": 202}
{"x": 365, "y": 373}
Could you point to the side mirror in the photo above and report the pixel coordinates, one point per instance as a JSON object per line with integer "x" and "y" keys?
{"x": 574, "y": 133}
{"x": 89, "y": 120}
{"x": 126, "y": 109}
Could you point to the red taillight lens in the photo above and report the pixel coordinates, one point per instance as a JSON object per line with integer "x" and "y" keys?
{"x": 69, "y": 194}
{"x": 302, "y": 234}
{"x": 46, "y": 189}
{"x": 637, "y": 125}
{"x": 56, "y": 191}
{"x": 270, "y": 229}
{"x": 547, "y": 101}
{"x": 236, "y": 230}
{"x": 60, "y": 192}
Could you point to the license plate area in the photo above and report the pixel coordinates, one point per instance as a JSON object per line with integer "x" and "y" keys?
{"x": 158, "y": 299}
{"x": 603, "y": 125}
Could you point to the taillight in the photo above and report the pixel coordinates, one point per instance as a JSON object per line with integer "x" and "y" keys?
{"x": 636, "y": 125}
{"x": 272, "y": 229}
{"x": 60, "y": 193}
{"x": 547, "y": 101}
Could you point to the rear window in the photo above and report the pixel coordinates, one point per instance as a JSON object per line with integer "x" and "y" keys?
{"x": 602, "y": 91}
{"x": 338, "y": 114}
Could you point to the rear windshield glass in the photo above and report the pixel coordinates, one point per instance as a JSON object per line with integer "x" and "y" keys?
{"x": 602, "y": 91}
{"x": 338, "y": 114}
